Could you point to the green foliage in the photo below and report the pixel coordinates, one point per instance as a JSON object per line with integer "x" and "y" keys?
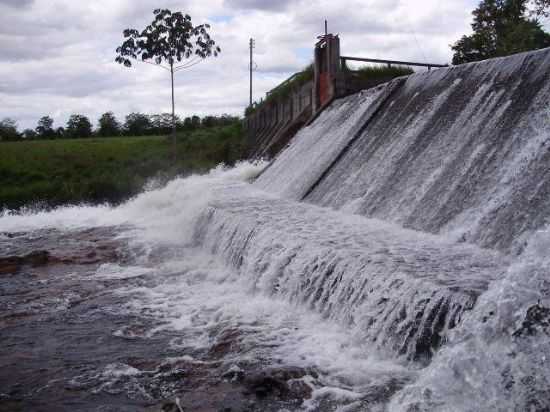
{"x": 191, "y": 123}
{"x": 170, "y": 37}
{"x": 541, "y": 8}
{"x": 377, "y": 72}
{"x": 501, "y": 28}
{"x": 283, "y": 90}
{"x": 29, "y": 134}
{"x": 162, "y": 123}
{"x": 297, "y": 80}
{"x": 108, "y": 125}
{"x": 250, "y": 109}
{"x": 60, "y": 133}
{"x": 137, "y": 124}
{"x": 8, "y": 130}
{"x": 78, "y": 126}
{"x": 44, "y": 129}
{"x": 53, "y": 172}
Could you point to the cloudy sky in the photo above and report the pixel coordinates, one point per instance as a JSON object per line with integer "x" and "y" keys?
{"x": 57, "y": 56}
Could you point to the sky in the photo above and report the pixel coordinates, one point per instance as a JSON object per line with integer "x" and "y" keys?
{"x": 57, "y": 56}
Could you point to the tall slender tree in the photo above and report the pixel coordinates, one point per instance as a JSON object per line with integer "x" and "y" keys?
{"x": 170, "y": 41}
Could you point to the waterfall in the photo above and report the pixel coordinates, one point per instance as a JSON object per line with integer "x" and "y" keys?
{"x": 498, "y": 358}
{"x": 425, "y": 203}
{"x": 399, "y": 289}
{"x": 316, "y": 147}
{"x": 461, "y": 151}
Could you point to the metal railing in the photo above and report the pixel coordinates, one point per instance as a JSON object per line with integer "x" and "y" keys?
{"x": 282, "y": 84}
{"x": 389, "y": 62}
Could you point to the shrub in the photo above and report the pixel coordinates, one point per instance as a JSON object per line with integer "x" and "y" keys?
{"x": 377, "y": 72}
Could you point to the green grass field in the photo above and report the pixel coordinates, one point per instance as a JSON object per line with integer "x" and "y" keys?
{"x": 95, "y": 170}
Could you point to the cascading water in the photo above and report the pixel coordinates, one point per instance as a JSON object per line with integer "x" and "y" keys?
{"x": 227, "y": 294}
{"x": 316, "y": 146}
{"x": 399, "y": 290}
{"x": 461, "y": 151}
{"x": 151, "y": 315}
{"x": 498, "y": 358}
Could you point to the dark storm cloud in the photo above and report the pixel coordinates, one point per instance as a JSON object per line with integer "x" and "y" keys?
{"x": 268, "y": 5}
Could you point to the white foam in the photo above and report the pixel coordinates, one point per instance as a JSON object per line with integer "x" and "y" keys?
{"x": 268, "y": 328}
{"x": 161, "y": 208}
{"x": 490, "y": 363}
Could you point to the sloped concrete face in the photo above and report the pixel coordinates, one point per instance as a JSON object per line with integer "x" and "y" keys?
{"x": 316, "y": 146}
{"x": 463, "y": 151}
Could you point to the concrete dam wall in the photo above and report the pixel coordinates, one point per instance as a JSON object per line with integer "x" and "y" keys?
{"x": 462, "y": 151}
{"x": 415, "y": 216}
{"x": 272, "y": 123}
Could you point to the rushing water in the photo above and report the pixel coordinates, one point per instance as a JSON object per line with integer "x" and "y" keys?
{"x": 129, "y": 310}
{"x": 213, "y": 293}
{"x": 461, "y": 151}
{"x": 218, "y": 295}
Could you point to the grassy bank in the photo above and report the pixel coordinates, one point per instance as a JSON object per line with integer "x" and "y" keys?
{"x": 53, "y": 172}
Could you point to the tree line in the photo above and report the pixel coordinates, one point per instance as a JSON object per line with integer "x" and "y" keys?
{"x": 135, "y": 124}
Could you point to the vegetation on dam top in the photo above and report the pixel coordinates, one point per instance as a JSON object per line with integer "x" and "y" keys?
{"x": 283, "y": 90}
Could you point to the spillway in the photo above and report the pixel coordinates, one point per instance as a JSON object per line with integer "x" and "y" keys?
{"x": 318, "y": 145}
{"x": 401, "y": 290}
{"x": 462, "y": 151}
{"x": 393, "y": 257}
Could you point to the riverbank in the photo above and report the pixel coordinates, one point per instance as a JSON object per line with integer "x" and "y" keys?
{"x": 47, "y": 173}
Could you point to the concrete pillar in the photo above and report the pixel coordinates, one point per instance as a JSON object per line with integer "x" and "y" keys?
{"x": 326, "y": 66}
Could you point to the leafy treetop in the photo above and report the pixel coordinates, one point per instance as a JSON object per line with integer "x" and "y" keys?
{"x": 45, "y": 128}
{"x": 542, "y": 7}
{"x": 170, "y": 38}
{"x": 8, "y": 130}
{"x": 78, "y": 126}
{"x": 108, "y": 125}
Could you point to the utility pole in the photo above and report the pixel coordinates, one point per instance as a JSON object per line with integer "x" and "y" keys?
{"x": 174, "y": 155}
{"x": 251, "y": 68}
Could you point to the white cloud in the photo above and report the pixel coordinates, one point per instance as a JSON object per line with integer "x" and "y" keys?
{"x": 58, "y": 55}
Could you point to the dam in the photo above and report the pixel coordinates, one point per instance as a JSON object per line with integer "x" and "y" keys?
{"x": 461, "y": 153}
{"x": 461, "y": 150}
{"x": 393, "y": 255}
